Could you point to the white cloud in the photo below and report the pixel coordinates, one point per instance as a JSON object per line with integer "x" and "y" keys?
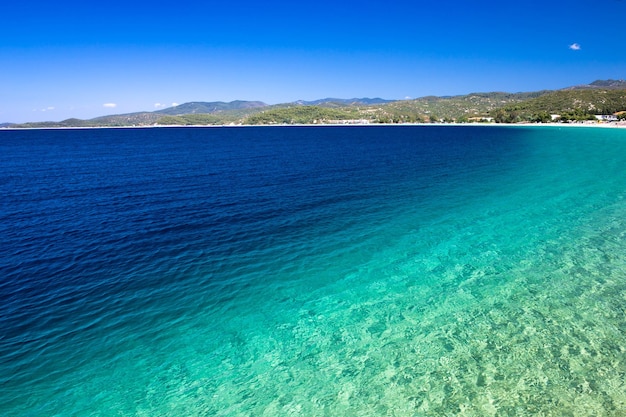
{"x": 174, "y": 104}
{"x": 109, "y": 105}
{"x": 574, "y": 47}
{"x": 158, "y": 105}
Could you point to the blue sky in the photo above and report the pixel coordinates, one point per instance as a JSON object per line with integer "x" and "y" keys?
{"x": 86, "y": 59}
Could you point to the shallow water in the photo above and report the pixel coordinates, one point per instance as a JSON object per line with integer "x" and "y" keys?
{"x": 346, "y": 271}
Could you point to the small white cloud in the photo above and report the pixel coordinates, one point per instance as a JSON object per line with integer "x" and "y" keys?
{"x": 174, "y": 104}
{"x": 158, "y": 105}
{"x": 407, "y": 97}
{"x": 109, "y": 105}
{"x": 50, "y": 108}
{"x": 574, "y": 47}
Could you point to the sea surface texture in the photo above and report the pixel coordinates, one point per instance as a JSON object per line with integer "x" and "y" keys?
{"x": 313, "y": 271}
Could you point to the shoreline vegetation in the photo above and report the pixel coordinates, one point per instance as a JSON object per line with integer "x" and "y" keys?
{"x": 601, "y": 125}
{"x": 601, "y": 103}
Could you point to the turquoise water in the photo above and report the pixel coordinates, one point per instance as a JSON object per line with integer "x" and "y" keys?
{"x": 399, "y": 271}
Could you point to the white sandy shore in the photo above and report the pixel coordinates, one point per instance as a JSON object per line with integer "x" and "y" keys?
{"x": 619, "y": 125}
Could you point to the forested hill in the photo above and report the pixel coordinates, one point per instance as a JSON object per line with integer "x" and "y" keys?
{"x": 582, "y": 102}
{"x": 574, "y": 104}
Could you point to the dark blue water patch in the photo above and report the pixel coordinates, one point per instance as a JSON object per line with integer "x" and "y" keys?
{"x": 78, "y": 202}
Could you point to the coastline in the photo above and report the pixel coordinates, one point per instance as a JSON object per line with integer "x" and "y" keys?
{"x": 604, "y": 125}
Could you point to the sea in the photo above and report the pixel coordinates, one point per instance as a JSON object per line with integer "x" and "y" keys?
{"x": 313, "y": 271}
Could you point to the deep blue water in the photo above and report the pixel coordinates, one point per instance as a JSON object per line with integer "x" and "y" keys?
{"x": 313, "y": 271}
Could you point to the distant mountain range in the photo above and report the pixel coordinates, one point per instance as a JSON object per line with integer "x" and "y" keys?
{"x": 601, "y": 84}
{"x": 598, "y": 97}
{"x": 344, "y": 101}
{"x": 198, "y": 107}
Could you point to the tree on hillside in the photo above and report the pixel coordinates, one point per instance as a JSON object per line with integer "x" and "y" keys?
{"x": 541, "y": 117}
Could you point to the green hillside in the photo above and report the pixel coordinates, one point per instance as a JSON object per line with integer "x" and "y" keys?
{"x": 303, "y": 115}
{"x": 426, "y": 109}
{"x": 577, "y": 104}
{"x": 581, "y": 102}
{"x": 196, "y": 119}
{"x": 456, "y": 108}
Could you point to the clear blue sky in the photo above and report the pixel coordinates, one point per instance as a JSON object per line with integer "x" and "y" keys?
{"x": 61, "y": 59}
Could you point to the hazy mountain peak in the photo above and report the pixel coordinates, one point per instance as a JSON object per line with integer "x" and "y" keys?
{"x": 603, "y": 84}
{"x": 202, "y": 107}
